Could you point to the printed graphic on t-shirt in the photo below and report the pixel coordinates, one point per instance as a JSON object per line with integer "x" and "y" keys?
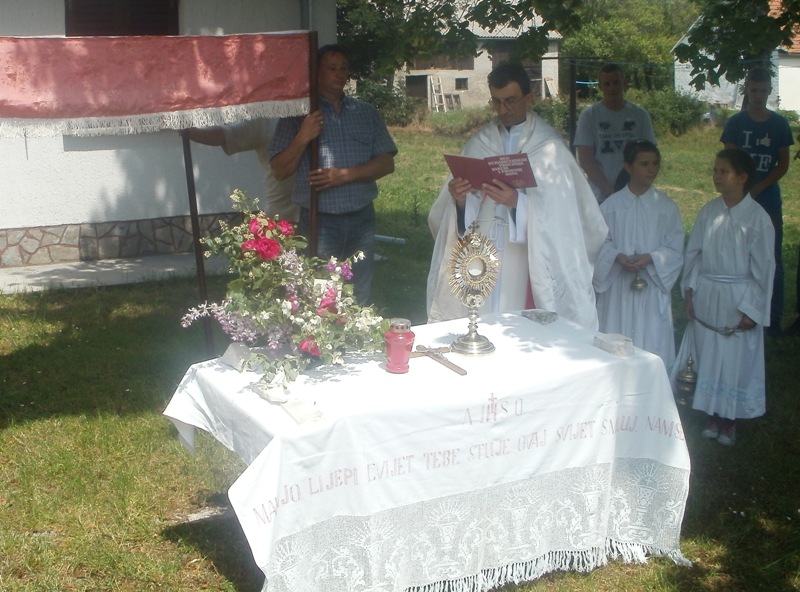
{"x": 752, "y": 143}
{"x": 613, "y": 141}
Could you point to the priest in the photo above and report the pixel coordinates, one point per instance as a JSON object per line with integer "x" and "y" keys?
{"x": 548, "y": 236}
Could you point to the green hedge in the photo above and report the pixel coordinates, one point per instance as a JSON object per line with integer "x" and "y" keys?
{"x": 672, "y": 112}
{"x": 396, "y": 108}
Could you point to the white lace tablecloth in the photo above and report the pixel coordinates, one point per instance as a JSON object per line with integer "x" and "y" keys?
{"x": 549, "y": 454}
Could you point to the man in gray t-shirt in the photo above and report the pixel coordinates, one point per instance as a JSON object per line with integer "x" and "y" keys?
{"x": 605, "y": 128}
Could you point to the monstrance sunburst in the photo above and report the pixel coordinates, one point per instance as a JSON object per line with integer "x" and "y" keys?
{"x": 473, "y": 269}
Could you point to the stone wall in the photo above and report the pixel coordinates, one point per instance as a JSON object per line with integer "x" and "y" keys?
{"x": 104, "y": 240}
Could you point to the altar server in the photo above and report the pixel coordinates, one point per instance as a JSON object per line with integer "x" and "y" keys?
{"x": 642, "y": 257}
{"x": 727, "y": 284}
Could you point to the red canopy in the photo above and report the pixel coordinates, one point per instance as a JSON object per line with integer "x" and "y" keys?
{"x": 124, "y": 85}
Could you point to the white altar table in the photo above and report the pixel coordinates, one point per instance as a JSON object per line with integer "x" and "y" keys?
{"x": 548, "y": 454}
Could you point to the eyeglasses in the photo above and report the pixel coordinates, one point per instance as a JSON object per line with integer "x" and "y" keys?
{"x": 507, "y": 103}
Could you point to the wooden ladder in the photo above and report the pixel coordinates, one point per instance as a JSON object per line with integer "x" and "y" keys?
{"x": 437, "y": 96}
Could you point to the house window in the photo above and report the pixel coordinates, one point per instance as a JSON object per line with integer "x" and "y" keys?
{"x": 417, "y": 86}
{"x": 120, "y": 17}
{"x": 462, "y": 83}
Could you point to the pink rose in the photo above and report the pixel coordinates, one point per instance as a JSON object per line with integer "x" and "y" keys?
{"x": 310, "y": 347}
{"x": 328, "y": 302}
{"x": 255, "y": 227}
{"x": 266, "y": 248}
{"x": 285, "y": 227}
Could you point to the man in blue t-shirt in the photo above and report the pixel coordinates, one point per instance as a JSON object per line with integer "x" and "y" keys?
{"x": 766, "y": 136}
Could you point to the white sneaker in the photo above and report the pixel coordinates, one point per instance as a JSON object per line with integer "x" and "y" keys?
{"x": 727, "y": 436}
{"x": 711, "y": 431}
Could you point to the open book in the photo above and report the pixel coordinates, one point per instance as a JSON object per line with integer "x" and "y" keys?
{"x": 514, "y": 169}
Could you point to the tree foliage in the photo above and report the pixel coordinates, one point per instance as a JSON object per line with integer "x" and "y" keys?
{"x": 731, "y": 36}
{"x": 383, "y": 36}
{"x": 637, "y": 33}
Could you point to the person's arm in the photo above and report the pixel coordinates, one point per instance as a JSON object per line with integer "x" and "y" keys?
{"x": 501, "y": 193}
{"x": 210, "y": 136}
{"x": 372, "y": 170}
{"x": 458, "y": 189}
{"x": 592, "y": 169}
{"x": 634, "y": 262}
{"x": 284, "y": 164}
{"x": 775, "y": 174}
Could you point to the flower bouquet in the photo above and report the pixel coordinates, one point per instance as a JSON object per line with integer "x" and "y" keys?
{"x": 296, "y": 309}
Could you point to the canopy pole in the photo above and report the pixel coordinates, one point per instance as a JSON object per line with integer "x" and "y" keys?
{"x": 198, "y": 247}
{"x": 313, "y": 100}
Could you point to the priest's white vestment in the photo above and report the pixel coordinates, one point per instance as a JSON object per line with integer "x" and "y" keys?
{"x": 649, "y": 223}
{"x": 554, "y": 235}
{"x": 730, "y": 264}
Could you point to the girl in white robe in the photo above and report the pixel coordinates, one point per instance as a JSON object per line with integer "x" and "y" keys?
{"x": 645, "y": 240}
{"x": 727, "y": 284}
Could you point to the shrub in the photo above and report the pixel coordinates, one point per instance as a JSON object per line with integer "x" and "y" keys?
{"x": 792, "y": 116}
{"x": 555, "y": 112}
{"x": 460, "y": 121}
{"x": 396, "y": 108}
{"x": 671, "y": 111}
{"x": 465, "y": 121}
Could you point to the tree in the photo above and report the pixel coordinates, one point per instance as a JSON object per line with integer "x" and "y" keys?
{"x": 731, "y": 36}
{"x": 637, "y": 33}
{"x": 383, "y": 36}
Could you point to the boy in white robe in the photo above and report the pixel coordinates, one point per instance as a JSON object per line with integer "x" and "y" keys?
{"x": 645, "y": 242}
{"x": 548, "y": 235}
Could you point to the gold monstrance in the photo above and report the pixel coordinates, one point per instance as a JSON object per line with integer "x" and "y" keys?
{"x": 473, "y": 269}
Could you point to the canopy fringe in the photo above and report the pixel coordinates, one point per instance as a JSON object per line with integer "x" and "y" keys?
{"x": 151, "y": 122}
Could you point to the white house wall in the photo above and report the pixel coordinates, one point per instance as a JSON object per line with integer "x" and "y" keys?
{"x": 785, "y": 91}
{"x": 725, "y": 95}
{"x": 477, "y": 93}
{"x": 789, "y": 80}
{"x": 32, "y": 18}
{"x": 550, "y": 67}
{"x": 206, "y": 17}
{"x": 67, "y": 180}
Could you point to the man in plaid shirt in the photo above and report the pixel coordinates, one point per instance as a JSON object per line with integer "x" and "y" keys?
{"x": 355, "y": 150}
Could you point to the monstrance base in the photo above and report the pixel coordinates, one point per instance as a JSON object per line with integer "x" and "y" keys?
{"x": 472, "y": 344}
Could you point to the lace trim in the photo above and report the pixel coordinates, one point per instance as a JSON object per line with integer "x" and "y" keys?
{"x": 576, "y": 519}
{"x": 149, "y": 122}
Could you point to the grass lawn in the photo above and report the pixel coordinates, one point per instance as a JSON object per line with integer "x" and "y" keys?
{"x": 96, "y": 493}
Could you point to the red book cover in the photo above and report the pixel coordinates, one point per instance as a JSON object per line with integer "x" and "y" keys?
{"x": 514, "y": 169}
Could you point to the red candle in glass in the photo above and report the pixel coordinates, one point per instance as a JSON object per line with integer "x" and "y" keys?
{"x": 399, "y": 340}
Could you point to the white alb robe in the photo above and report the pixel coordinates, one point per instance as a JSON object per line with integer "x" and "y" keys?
{"x": 649, "y": 223}
{"x": 730, "y": 264}
{"x": 558, "y": 232}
